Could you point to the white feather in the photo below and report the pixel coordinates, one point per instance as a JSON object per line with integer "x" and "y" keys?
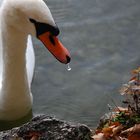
{"x": 17, "y": 60}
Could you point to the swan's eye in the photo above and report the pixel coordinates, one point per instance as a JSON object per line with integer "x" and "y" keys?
{"x": 44, "y": 27}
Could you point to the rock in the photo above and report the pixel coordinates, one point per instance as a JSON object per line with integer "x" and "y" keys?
{"x": 47, "y": 128}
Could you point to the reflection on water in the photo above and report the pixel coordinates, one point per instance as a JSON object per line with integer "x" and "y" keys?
{"x": 104, "y": 40}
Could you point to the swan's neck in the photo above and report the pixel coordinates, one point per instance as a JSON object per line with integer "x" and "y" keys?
{"x": 15, "y": 97}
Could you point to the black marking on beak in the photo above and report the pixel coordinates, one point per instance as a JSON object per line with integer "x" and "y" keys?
{"x": 52, "y": 40}
{"x": 68, "y": 59}
{"x": 43, "y": 27}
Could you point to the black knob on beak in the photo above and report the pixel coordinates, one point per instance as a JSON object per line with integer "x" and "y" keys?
{"x": 68, "y": 59}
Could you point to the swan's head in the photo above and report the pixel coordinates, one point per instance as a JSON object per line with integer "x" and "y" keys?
{"x": 34, "y": 17}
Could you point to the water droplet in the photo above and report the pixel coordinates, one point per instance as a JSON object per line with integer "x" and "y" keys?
{"x": 68, "y": 68}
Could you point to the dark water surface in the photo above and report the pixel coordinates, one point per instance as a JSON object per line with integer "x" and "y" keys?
{"x": 103, "y": 37}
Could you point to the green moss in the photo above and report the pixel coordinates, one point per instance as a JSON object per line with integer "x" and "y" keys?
{"x": 127, "y": 120}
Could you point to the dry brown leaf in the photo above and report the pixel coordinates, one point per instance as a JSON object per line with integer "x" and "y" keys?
{"x": 117, "y": 138}
{"x": 99, "y": 136}
{"x": 117, "y": 129}
{"x": 108, "y": 131}
{"x": 133, "y": 130}
{"x": 134, "y": 137}
{"x": 115, "y": 124}
{"x": 122, "y": 109}
{"x": 35, "y": 138}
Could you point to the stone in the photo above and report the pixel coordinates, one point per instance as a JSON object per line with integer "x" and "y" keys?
{"x": 47, "y": 128}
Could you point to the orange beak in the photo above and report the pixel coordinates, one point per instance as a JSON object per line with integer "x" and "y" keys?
{"x": 55, "y": 47}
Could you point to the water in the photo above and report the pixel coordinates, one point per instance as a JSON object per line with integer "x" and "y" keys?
{"x": 104, "y": 40}
{"x": 68, "y": 68}
{"x": 103, "y": 37}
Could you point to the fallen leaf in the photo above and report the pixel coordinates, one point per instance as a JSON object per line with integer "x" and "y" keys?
{"x": 133, "y": 130}
{"x": 134, "y": 137}
{"x": 117, "y": 129}
{"x": 99, "y": 136}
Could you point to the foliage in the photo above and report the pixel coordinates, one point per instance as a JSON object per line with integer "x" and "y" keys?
{"x": 123, "y": 123}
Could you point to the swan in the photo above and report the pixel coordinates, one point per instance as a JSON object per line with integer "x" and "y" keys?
{"x": 19, "y": 20}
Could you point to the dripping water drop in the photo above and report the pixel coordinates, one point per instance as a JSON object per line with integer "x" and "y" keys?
{"x": 68, "y": 68}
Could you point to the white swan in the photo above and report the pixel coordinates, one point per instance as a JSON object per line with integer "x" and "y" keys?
{"x": 18, "y": 20}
